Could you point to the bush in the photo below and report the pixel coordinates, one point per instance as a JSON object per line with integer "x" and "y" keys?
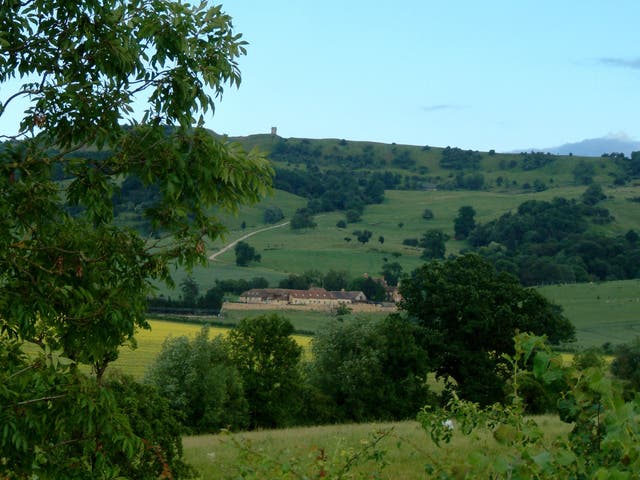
{"x": 427, "y": 214}
{"x": 626, "y": 364}
{"x": 272, "y": 214}
{"x": 353, "y": 216}
{"x": 202, "y": 385}
{"x": 370, "y": 369}
{"x": 410, "y": 242}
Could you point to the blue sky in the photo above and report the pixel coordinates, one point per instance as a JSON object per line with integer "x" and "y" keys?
{"x": 506, "y": 75}
{"x": 474, "y": 74}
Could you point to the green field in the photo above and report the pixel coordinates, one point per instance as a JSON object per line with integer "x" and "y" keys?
{"x": 602, "y": 312}
{"x": 406, "y": 450}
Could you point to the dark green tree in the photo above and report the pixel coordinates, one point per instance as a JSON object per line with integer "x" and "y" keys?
{"x": 302, "y": 219}
{"x": 335, "y": 280}
{"x": 370, "y": 369}
{"x": 152, "y": 418}
{"x": 427, "y": 214}
{"x": 464, "y": 222}
{"x": 353, "y": 216}
{"x": 433, "y": 243}
{"x": 201, "y": 383}
{"x": 272, "y": 214}
{"x": 471, "y": 313}
{"x": 626, "y": 364}
{"x": 268, "y": 360}
{"x": 212, "y": 299}
{"x": 391, "y": 271}
{"x": 245, "y": 254}
{"x": 593, "y": 194}
{"x": 190, "y": 291}
{"x": 363, "y": 236}
{"x": 372, "y": 288}
{"x": 583, "y": 173}
{"x": 77, "y": 284}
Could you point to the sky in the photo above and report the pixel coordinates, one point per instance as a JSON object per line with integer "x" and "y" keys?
{"x": 474, "y": 74}
{"x": 504, "y": 75}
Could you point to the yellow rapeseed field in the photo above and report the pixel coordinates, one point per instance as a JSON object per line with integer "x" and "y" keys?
{"x": 135, "y": 362}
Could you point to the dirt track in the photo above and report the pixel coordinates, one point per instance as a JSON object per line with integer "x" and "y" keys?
{"x": 250, "y": 234}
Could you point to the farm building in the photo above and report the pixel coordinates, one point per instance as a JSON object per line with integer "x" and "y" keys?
{"x": 314, "y": 296}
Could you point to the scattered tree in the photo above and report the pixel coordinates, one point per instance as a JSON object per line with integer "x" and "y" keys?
{"x": 583, "y": 173}
{"x": 372, "y": 288}
{"x": 353, "y": 216}
{"x": 381, "y": 239}
{"x": 342, "y": 310}
{"x": 302, "y": 219}
{"x": 362, "y": 236}
{"x": 245, "y": 254}
{"x": 335, "y": 280}
{"x": 272, "y": 214}
{"x": 464, "y": 222}
{"x": 433, "y": 243}
{"x": 626, "y": 364}
{"x": 341, "y": 224}
{"x": 391, "y": 271}
{"x": 190, "y": 291}
{"x": 427, "y": 214}
{"x": 593, "y": 195}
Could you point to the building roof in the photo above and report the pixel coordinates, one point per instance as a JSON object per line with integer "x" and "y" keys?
{"x": 314, "y": 293}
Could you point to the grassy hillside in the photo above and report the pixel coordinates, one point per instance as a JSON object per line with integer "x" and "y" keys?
{"x": 424, "y": 160}
{"x": 285, "y": 251}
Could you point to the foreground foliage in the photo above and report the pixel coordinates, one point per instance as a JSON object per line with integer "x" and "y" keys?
{"x": 602, "y": 438}
{"x": 71, "y": 281}
{"x": 604, "y": 442}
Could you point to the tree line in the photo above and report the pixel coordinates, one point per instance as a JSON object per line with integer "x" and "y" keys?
{"x": 552, "y": 242}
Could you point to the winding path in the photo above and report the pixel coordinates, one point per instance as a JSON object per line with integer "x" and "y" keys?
{"x": 250, "y": 234}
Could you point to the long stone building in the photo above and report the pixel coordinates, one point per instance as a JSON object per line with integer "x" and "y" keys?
{"x": 314, "y": 296}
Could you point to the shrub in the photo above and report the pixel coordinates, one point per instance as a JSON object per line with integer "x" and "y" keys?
{"x": 370, "y": 369}
{"x": 201, "y": 383}
{"x": 410, "y": 242}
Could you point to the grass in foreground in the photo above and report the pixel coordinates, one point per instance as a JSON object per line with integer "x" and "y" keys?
{"x": 406, "y": 449}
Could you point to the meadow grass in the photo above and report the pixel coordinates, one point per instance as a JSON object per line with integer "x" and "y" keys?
{"x": 601, "y": 312}
{"x": 406, "y": 449}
